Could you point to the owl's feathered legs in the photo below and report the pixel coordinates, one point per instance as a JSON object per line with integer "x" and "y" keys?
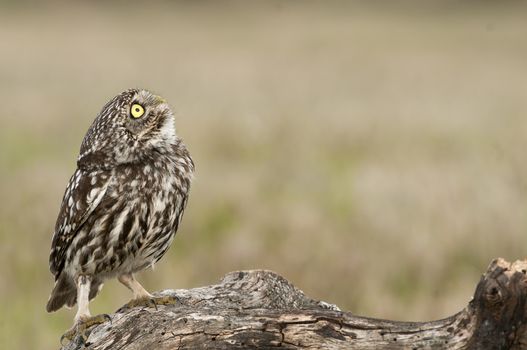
{"x": 83, "y": 291}
{"x": 141, "y": 297}
{"x": 83, "y": 319}
{"x": 131, "y": 283}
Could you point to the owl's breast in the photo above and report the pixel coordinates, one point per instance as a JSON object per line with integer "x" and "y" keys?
{"x": 158, "y": 197}
{"x": 135, "y": 222}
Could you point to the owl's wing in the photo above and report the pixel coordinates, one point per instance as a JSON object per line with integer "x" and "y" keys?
{"x": 84, "y": 193}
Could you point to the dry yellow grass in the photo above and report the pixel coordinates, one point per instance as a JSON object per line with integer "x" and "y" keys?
{"x": 374, "y": 156}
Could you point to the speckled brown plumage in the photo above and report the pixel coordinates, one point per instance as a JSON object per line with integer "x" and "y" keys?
{"x": 124, "y": 203}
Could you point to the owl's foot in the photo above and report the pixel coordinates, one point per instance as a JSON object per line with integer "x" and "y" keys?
{"x": 151, "y": 301}
{"x": 81, "y": 326}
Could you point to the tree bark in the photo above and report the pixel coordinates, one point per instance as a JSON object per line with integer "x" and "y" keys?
{"x": 260, "y": 309}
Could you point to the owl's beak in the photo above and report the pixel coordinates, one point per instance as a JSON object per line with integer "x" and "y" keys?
{"x": 159, "y": 100}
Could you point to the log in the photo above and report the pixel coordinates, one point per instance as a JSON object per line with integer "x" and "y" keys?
{"x": 260, "y": 309}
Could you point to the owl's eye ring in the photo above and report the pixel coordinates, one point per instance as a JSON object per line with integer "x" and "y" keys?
{"x": 137, "y": 111}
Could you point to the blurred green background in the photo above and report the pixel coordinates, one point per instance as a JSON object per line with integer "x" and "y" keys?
{"x": 373, "y": 153}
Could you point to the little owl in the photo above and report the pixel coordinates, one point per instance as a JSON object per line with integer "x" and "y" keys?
{"x": 122, "y": 206}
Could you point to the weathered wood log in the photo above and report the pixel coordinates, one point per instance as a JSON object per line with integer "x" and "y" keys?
{"x": 260, "y": 309}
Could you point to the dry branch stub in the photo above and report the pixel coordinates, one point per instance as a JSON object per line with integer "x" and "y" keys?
{"x": 260, "y": 309}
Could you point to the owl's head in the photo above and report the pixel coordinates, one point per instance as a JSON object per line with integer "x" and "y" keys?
{"x": 130, "y": 128}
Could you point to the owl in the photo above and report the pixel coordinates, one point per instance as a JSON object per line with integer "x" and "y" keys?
{"x": 122, "y": 206}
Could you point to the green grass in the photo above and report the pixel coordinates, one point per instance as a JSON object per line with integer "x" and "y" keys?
{"x": 372, "y": 154}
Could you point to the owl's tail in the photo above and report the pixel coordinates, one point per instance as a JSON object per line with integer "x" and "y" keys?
{"x": 64, "y": 293}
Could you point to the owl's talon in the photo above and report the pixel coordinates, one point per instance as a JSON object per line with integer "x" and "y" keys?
{"x": 107, "y": 318}
{"x": 151, "y": 302}
{"x": 166, "y": 300}
{"x": 68, "y": 335}
{"x": 82, "y": 326}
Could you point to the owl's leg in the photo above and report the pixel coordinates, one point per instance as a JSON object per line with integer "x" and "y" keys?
{"x": 141, "y": 297}
{"x": 83, "y": 319}
{"x": 137, "y": 289}
{"x": 83, "y": 291}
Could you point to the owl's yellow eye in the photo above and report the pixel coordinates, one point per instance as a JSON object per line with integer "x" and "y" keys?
{"x": 137, "y": 110}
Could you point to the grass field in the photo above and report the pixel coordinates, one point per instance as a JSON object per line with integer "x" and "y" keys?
{"x": 373, "y": 155}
